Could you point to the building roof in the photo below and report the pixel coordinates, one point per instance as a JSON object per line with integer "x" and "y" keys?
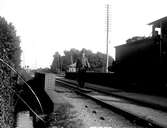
{"x": 158, "y": 22}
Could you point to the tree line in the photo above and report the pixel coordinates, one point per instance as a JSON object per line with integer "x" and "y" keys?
{"x": 97, "y": 60}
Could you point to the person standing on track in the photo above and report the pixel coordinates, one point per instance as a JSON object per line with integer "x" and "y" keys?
{"x": 82, "y": 66}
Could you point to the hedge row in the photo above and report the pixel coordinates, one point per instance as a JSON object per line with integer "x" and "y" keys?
{"x": 10, "y": 53}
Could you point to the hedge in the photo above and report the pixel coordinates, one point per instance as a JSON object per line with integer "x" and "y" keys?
{"x": 9, "y": 52}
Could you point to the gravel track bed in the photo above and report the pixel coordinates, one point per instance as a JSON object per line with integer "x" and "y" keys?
{"x": 75, "y": 111}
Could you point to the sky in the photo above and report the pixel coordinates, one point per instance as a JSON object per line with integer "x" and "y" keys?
{"x": 47, "y": 26}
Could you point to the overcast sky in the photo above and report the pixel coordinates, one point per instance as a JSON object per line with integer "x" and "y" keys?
{"x": 47, "y": 26}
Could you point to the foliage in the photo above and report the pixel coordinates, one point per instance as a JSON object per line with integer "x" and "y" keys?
{"x": 56, "y": 62}
{"x": 10, "y": 52}
{"x": 97, "y": 60}
{"x": 9, "y": 43}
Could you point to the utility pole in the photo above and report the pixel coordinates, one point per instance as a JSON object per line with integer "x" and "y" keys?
{"x": 107, "y": 39}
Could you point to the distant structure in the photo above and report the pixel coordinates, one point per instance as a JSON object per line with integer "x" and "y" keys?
{"x": 72, "y": 67}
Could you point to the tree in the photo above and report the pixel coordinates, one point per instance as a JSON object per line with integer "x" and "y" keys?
{"x": 97, "y": 60}
{"x": 56, "y": 64}
{"x": 10, "y": 52}
{"x": 9, "y": 43}
{"x": 74, "y": 53}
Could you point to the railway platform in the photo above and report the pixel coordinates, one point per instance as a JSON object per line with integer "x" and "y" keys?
{"x": 147, "y": 107}
{"x": 155, "y": 101}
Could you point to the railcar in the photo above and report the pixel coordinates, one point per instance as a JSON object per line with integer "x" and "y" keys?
{"x": 144, "y": 61}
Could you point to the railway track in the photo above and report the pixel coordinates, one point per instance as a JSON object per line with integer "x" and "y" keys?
{"x": 110, "y": 92}
{"x": 141, "y": 113}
